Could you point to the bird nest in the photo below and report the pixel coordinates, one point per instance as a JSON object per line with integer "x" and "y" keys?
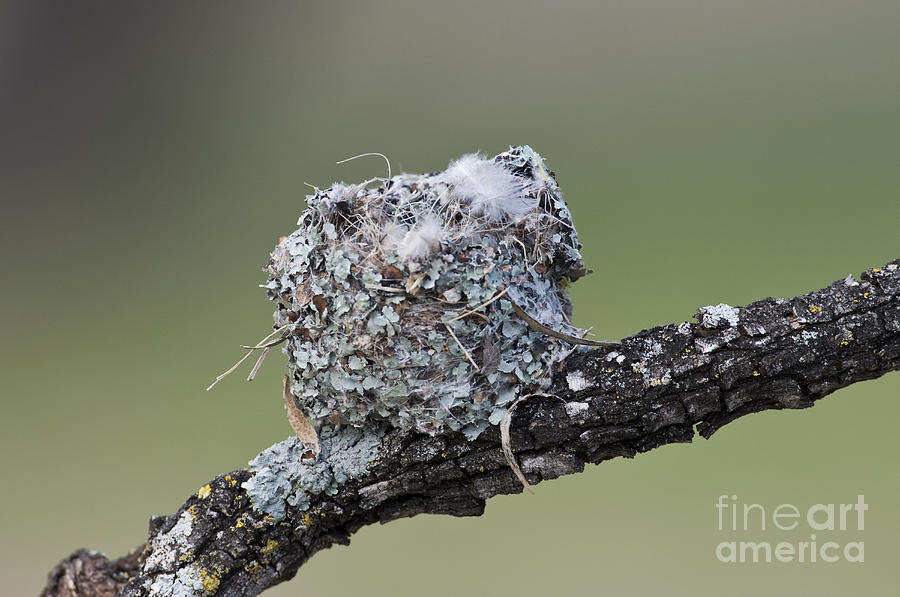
{"x": 429, "y": 301}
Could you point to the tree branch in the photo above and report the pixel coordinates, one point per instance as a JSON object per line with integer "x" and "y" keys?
{"x": 655, "y": 389}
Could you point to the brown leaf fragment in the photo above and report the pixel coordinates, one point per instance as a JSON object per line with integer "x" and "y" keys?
{"x": 304, "y": 295}
{"x": 321, "y": 306}
{"x": 391, "y": 273}
{"x": 302, "y": 427}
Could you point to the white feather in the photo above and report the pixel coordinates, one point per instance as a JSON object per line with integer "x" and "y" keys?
{"x": 393, "y": 236}
{"x": 422, "y": 240}
{"x": 490, "y": 190}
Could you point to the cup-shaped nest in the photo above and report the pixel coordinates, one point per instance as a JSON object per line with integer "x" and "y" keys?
{"x": 384, "y": 289}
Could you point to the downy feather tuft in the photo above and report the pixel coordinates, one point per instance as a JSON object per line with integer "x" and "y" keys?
{"x": 422, "y": 240}
{"x": 487, "y": 188}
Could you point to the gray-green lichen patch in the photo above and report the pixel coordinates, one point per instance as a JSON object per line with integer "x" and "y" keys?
{"x": 186, "y": 582}
{"x": 376, "y": 282}
{"x": 166, "y": 558}
{"x": 577, "y": 381}
{"x": 165, "y": 549}
{"x": 282, "y": 477}
{"x": 719, "y": 316}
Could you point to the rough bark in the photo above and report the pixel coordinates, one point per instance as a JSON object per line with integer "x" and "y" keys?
{"x": 660, "y": 386}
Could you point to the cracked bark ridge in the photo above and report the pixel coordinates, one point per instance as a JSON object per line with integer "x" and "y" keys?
{"x": 655, "y": 389}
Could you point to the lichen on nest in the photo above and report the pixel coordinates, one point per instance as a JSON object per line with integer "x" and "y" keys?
{"x": 379, "y": 291}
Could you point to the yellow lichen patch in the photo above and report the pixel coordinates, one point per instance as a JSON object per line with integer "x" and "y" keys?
{"x": 192, "y": 510}
{"x": 252, "y": 567}
{"x": 231, "y": 482}
{"x": 844, "y": 343}
{"x": 756, "y": 374}
{"x": 305, "y": 519}
{"x": 270, "y": 545}
{"x": 815, "y": 309}
{"x": 204, "y": 492}
{"x": 865, "y": 295}
{"x": 876, "y": 270}
{"x": 210, "y": 581}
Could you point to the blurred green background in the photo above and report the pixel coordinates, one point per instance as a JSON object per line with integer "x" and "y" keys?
{"x": 152, "y": 153}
